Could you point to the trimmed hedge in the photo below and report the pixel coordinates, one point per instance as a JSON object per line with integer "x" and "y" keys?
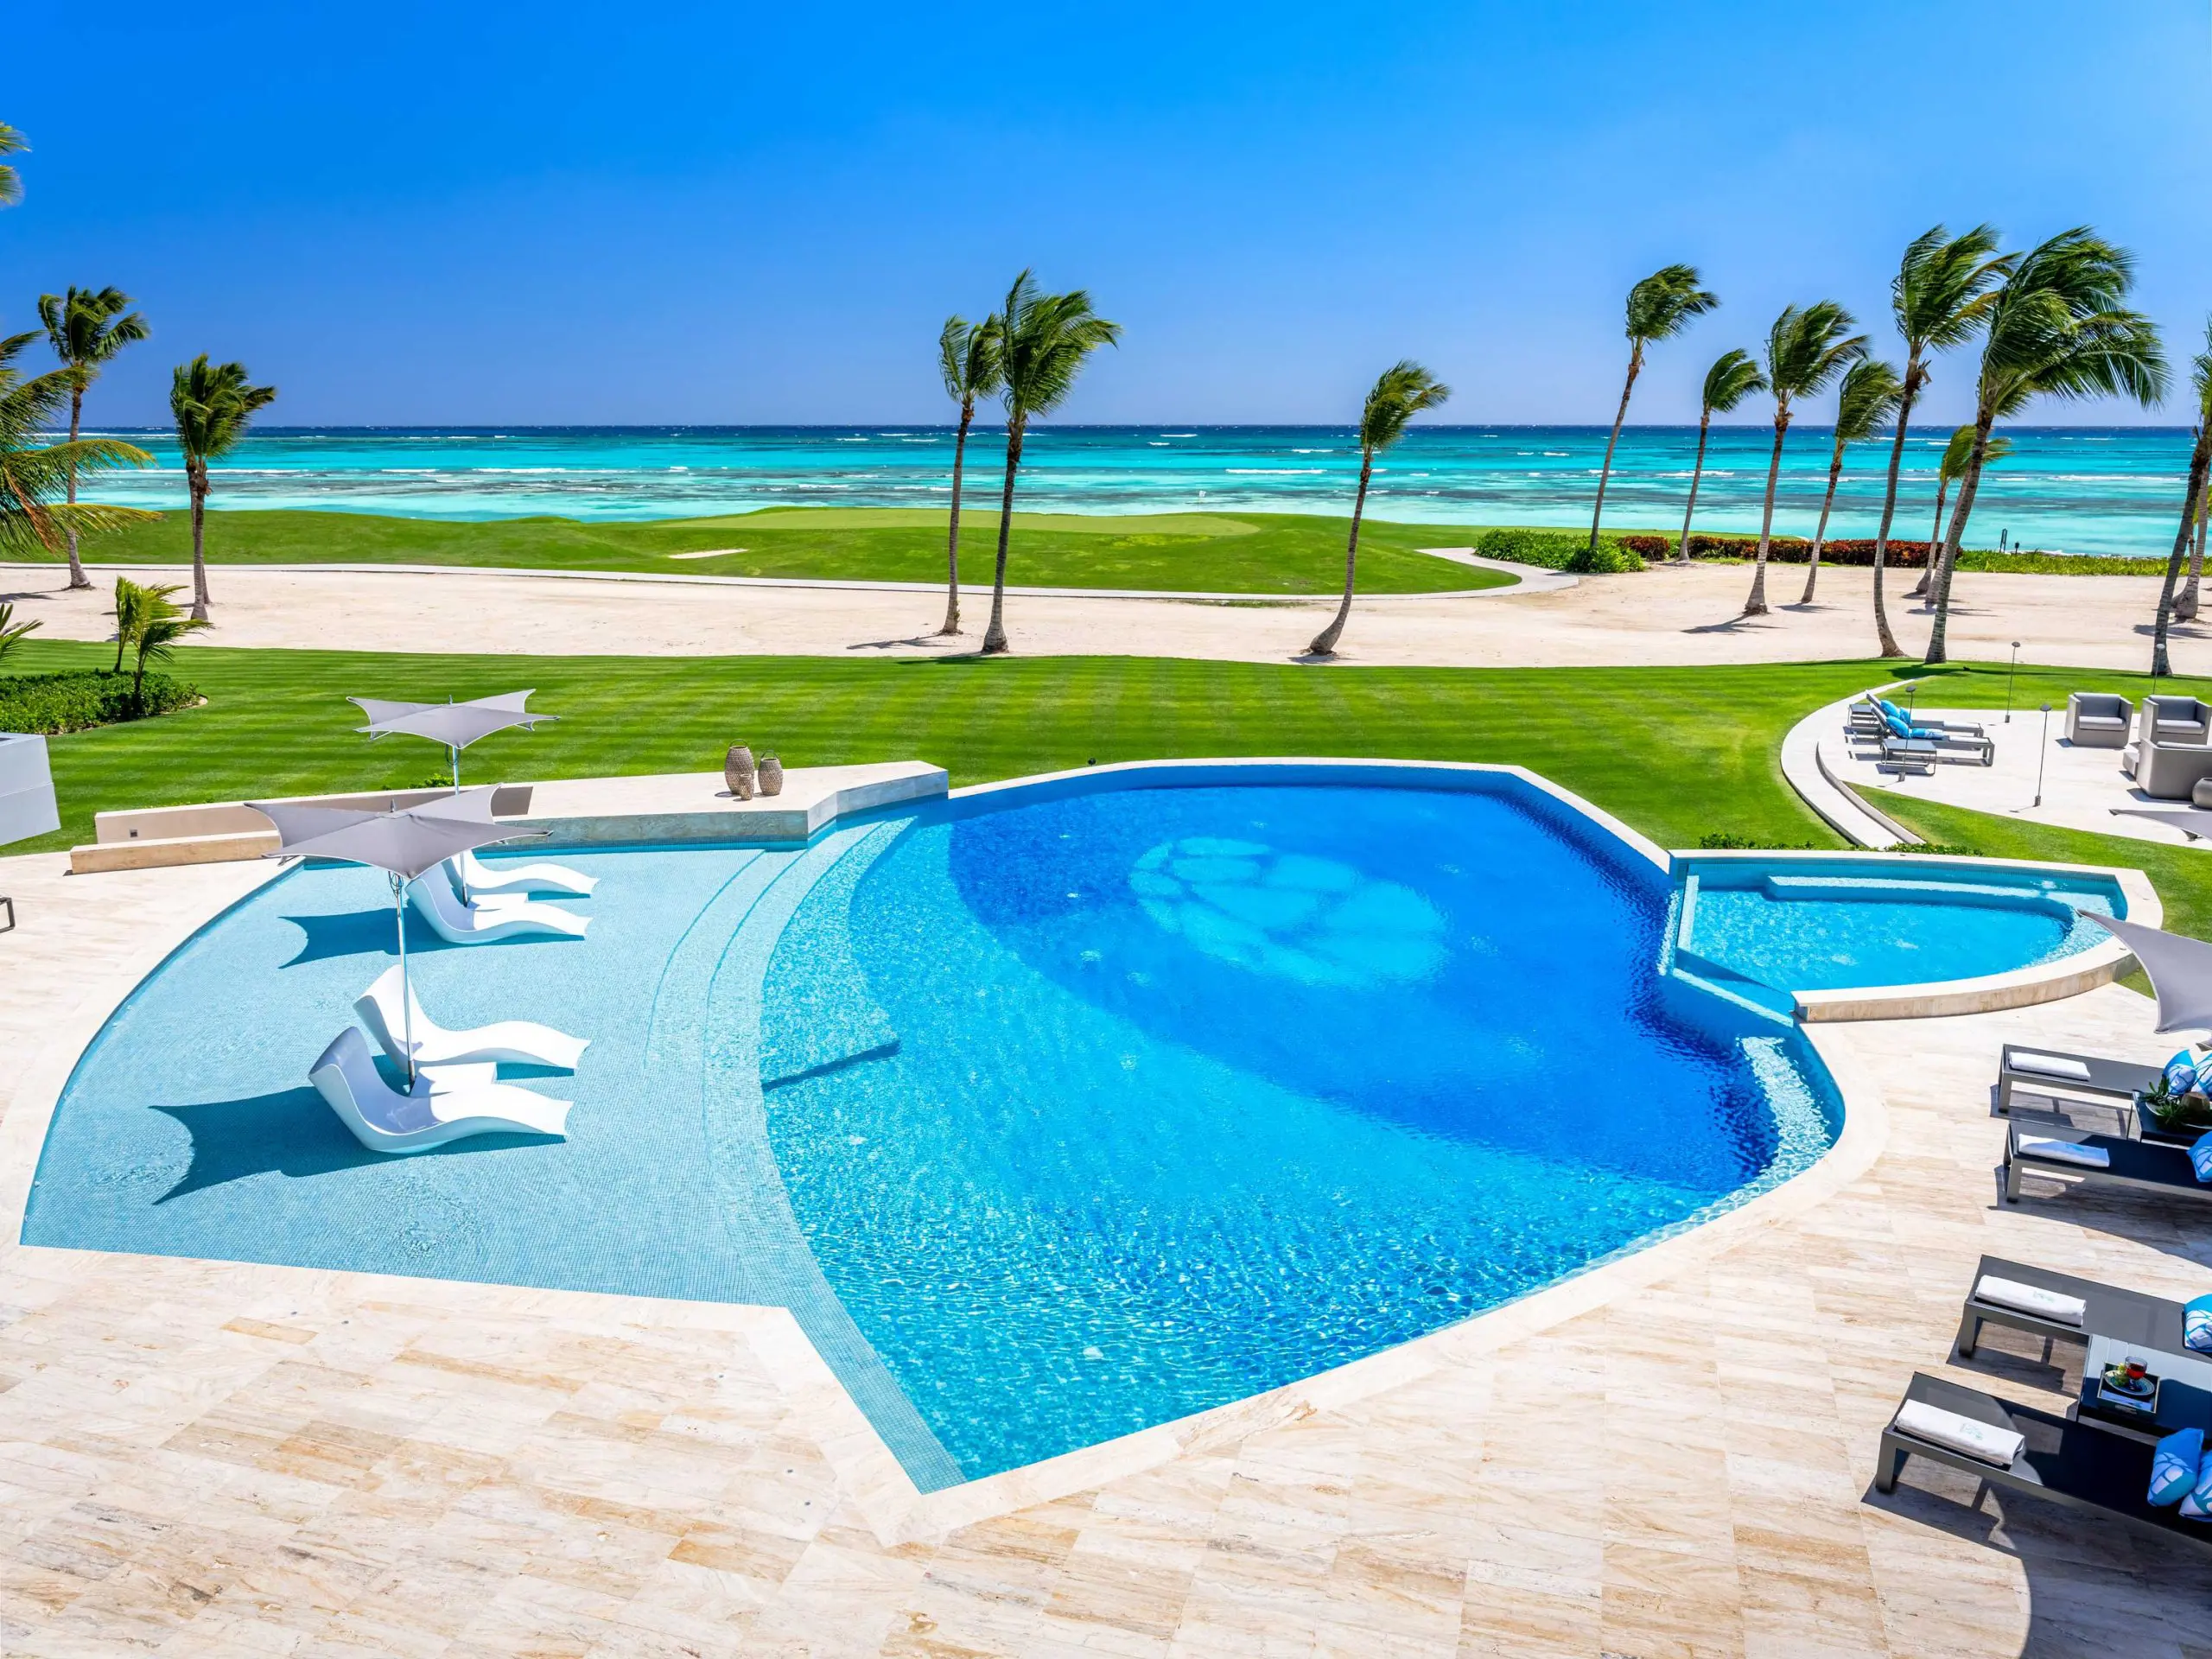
{"x": 1560, "y": 549}
{"x": 52, "y": 703}
{"x": 1783, "y": 549}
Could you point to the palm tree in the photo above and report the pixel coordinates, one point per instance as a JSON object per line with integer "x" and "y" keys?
{"x": 1868, "y": 397}
{"x": 33, "y": 476}
{"x": 132, "y": 607}
{"x": 1400, "y": 392}
{"x": 1733, "y": 377}
{"x": 161, "y": 625}
{"x": 1659, "y": 308}
{"x": 2192, "y": 506}
{"x": 1806, "y": 348}
{"x": 86, "y": 327}
{"x": 1949, "y": 471}
{"x": 213, "y": 405}
{"x": 12, "y": 633}
{"x": 11, "y": 182}
{"x": 1941, "y": 295}
{"x": 968, "y": 357}
{"x": 2057, "y": 328}
{"x": 1044, "y": 342}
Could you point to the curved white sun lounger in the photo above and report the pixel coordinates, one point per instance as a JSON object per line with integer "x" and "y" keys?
{"x": 383, "y": 1120}
{"x": 472, "y": 875}
{"x": 505, "y": 918}
{"x": 517, "y": 1041}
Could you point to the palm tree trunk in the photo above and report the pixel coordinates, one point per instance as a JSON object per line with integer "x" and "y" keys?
{"x": 1968, "y": 487}
{"x": 1324, "y": 643}
{"x": 77, "y": 576}
{"x": 2185, "y": 607}
{"x": 196, "y": 478}
{"x": 952, "y": 545}
{"x": 2160, "y": 664}
{"x": 1756, "y": 604}
{"x": 994, "y": 635}
{"x": 1606, "y": 472}
{"x": 1926, "y": 584}
{"x": 1821, "y": 535}
{"x": 1697, "y": 472}
{"x": 1885, "y": 642}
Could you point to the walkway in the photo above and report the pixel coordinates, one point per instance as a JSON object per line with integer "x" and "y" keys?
{"x": 1671, "y": 1455}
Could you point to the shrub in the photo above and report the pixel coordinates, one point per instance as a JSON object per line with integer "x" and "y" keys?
{"x": 1719, "y": 841}
{"x": 76, "y": 702}
{"x": 1558, "y": 549}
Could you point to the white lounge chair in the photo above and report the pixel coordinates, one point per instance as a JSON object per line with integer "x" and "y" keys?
{"x": 383, "y": 1120}
{"x": 472, "y": 875}
{"x": 517, "y": 1041}
{"x": 503, "y": 918}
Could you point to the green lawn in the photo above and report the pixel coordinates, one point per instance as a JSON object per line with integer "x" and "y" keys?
{"x": 1208, "y": 552}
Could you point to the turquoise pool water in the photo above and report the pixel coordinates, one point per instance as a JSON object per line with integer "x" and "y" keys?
{"x": 1051, "y": 1113}
{"x": 1822, "y": 925}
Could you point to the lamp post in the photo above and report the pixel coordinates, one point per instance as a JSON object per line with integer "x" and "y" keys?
{"x": 2042, "y": 753}
{"x": 2010, "y": 671}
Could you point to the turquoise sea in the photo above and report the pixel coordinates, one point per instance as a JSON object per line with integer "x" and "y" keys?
{"x": 2067, "y": 489}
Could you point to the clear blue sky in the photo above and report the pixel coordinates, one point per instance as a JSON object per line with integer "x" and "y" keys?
{"x": 412, "y": 214}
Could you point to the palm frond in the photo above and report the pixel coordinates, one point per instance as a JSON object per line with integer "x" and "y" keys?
{"x": 87, "y": 327}
{"x": 1808, "y": 347}
{"x": 2060, "y": 326}
{"x": 1944, "y": 286}
{"x": 213, "y": 404}
{"x": 1400, "y": 391}
{"x": 968, "y": 357}
{"x": 1044, "y": 341}
{"x": 2199, "y": 377}
{"x": 1868, "y": 399}
{"x": 1733, "y": 377}
{"x": 11, "y": 181}
{"x": 1665, "y": 303}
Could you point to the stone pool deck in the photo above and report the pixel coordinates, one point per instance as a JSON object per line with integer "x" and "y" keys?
{"x": 1672, "y": 1455}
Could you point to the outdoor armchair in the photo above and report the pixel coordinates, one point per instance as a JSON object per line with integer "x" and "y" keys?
{"x": 2098, "y": 719}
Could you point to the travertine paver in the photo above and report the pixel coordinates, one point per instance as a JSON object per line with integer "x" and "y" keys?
{"x": 207, "y": 1458}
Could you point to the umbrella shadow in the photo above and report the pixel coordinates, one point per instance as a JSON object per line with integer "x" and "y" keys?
{"x": 359, "y": 933}
{"x": 291, "y": 1133}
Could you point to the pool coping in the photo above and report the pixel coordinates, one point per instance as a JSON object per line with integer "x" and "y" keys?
{"x": 896, "y": 1510}
{"x": 2018, "y": 987}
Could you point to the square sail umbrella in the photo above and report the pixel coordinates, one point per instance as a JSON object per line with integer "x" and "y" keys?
{"x": 456, "y": 725}
{"x": 2180, "y": 970}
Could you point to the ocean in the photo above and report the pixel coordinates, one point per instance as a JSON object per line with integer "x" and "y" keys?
{"x": 2062, "y": 489}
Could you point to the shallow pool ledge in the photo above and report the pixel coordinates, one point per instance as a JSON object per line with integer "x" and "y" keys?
{"x": 2020, "y": 987}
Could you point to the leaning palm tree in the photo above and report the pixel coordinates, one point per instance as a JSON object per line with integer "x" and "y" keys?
{"x": 1940, "y": 296}
{"x": 1733, "y": 377}
{"x": 11, "y": 182}
{"x": 85, "y": 328}
{"x": 2057, "y": 329}
{"x": 213, "y": 405}
{"x": 2185, "y": 604}
{"x": 1868, "y": 397}
{"x": 1805, "y": 350}
{"x": 1948, "y": 471}
{"x": 2192, "y": 506}
{"x": 1044, "y": 342}
{"x": 968, "y": 357}
{"x": 1659, "y": 308}
{"x": 33, "y": 476}
{"x": 1400, "y": 392}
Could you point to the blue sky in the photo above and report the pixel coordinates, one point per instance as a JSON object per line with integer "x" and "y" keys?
{"x": 558, "y": 213}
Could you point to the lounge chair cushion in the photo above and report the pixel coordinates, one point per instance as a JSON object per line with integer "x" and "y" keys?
{"x": 1983, "y": 1441}
{"x": 2067, "y": 1152}
{"x": 2175, "y": 1465}
{"x": 2200, "y": 1156}
{"x": 2031, "y": 1298}
{"x": 2196, "y": 1324}
{"x": 2050, "y": 1065}
{"x": 2181, "y": 1072}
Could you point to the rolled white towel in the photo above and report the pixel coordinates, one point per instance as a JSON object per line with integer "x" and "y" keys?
{"x": 2050, "y": 1065}
{"x": 2065, "y": 1152}
{"x": 1984, "y": 1441}
{"x": 2032, "y": 1299}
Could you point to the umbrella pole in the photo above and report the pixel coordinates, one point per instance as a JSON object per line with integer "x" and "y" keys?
{"x": 406, "y": 997}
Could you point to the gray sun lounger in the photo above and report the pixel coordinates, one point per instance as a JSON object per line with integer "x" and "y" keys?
{"x": 2070, "y": 1463}
{"x": 2074, "y": 1074}
{"x": 2127, "y": 1315}
{"x": 2141, "y": 1165}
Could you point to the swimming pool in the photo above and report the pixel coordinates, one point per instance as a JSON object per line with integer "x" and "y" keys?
{"x": 1817, "y": 925}
{"x": 1050, "y": 1113}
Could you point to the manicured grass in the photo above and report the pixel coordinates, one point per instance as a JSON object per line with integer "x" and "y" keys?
{"x": 1208, "y": 552}
{"x": 1678, "y": 753}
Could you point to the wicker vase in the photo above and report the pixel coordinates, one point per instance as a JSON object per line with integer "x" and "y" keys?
{"x": 771, "y": 775}
{"x": 738, "y": 772}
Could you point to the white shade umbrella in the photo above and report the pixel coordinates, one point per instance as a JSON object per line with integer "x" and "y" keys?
{"x": 2180, "y": 969}
{"x": 456, "y": 725}
{"x": 402, "y": 844}
{"x": 2192, "y": 821}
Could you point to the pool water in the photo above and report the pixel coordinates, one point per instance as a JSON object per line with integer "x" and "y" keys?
{"x": 1816, "y": 926}
{"x": 1051, "y": 1113}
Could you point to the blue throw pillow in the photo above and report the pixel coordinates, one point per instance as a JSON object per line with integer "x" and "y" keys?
{"x": 1896, "y": 722}
{"x": 2174, "y": 1466}
{"x": 2196, "y": 1324}
{"x": 2200, "y": 1156}
{"x": 2200, "y": 1495}
{"x": 2181, "y": 1072}
{"x": 1889, "y": 708}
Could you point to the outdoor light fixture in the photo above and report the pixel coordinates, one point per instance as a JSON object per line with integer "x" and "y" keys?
{"x": 2042, "y": 753}
{"x": 2009, "y": 673}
